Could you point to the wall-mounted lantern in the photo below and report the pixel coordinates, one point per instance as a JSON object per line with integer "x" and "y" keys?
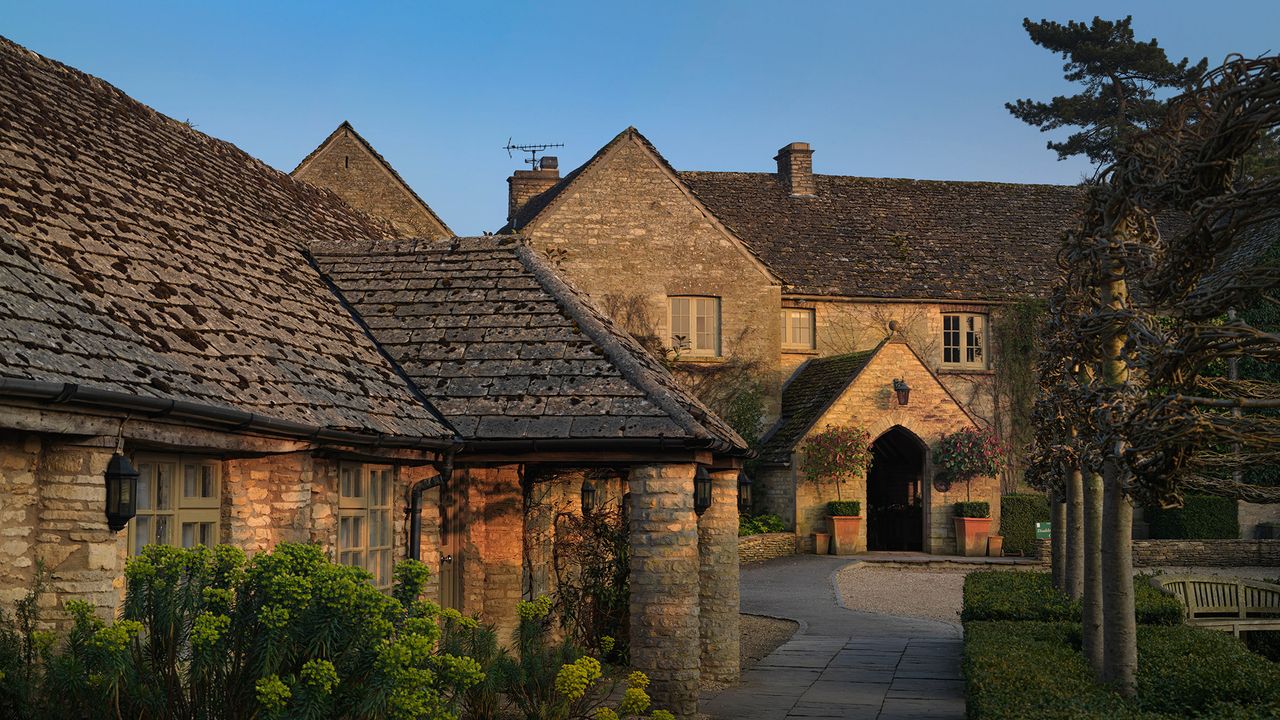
{"x": 701, "y": 490}
{"x": 744, "y": 493}
{"x": 588, "y": 497}
{"x": 122, "y": 492}
{"x": 902, "y": 390}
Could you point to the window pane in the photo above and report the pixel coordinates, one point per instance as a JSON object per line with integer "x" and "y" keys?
{"x": 344, "y": 533}
{"x": 708, "y": 325}
{"x": 144, "y": 486}
{"x": 189, "y": 481}
{"x": 206, "y": 481}
{"x": 164, "y": 486}
{"x": 188, "y": 534}
{"x": 141, "y": 533}
{"x": 206, "y": 534}
{"x": 680, "y": 334}
{"x": 162, "y": 530}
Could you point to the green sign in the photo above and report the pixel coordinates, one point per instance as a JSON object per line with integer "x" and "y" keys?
{"x": 1043, "y": 530}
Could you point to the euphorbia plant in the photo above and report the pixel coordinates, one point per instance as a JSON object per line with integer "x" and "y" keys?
{"x": 838, "y": 452}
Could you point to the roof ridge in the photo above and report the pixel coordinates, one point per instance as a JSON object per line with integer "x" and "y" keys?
{"x": 610, "y": 339}
{"x": 764, "y": 173}
{"x": 346, "y": 125}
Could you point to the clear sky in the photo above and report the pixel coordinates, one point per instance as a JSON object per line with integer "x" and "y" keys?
{"x": 897, "y": 89}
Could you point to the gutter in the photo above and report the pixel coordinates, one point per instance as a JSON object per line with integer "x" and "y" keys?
{"x": 57, "y": 393}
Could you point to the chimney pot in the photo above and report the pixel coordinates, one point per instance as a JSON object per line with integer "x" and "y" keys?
{"x": 795, "y": 168}
{"x": 549, "y": 162}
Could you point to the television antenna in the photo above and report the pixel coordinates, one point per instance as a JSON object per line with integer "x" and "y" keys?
{"x": 533, "y": 150}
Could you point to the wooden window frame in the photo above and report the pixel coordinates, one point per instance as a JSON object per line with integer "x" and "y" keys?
{"x": 366, "y": 532}
{"x": 202, "y": 511}
{"x": 788, "y": 343}
{"x": 963, "y": 345}
{"x": 693, "y": 346}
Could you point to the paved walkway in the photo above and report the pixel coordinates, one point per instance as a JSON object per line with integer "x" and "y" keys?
{"x": 841, "y": 663}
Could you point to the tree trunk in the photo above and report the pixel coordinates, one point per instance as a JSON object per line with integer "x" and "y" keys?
{"x": 1073, "y": 577}
{"x": 1120, "y": 628}
{"x": 1058, "y": 540}
{"x": 1091, "y": 599}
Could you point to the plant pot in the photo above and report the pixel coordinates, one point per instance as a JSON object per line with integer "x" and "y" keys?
{"x": 995, "y": 545}
{"x": 821, "y": 542}
{"x": 844, "y": 533}
{"x": 971, "y": 536}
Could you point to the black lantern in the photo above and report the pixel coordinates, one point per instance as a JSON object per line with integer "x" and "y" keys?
{"x": 122, "y": 492}
{"x": 701, "y": 490}
{"x": 744, "y": 493}
{"x": 588, "y": 497}
{"x": 902, "y": 389}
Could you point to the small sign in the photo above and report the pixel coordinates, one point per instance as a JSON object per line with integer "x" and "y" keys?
{"x": 1043, "y": 530}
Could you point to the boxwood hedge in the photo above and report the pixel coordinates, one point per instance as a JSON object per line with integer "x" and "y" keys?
{"x": 1201, "y": 517}
{"x": 1035, "y": 670}
{"x": 1018, "y": 595}
{"x": 1019, "y": 514}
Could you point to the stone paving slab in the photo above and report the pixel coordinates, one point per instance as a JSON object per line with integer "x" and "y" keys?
{"x": 842, "y": 663}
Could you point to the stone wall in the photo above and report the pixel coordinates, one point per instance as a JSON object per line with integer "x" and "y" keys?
{"x": 765, "y": 546}
{"x": 494, "y": 561}
{"x": 718, "y": 600}
{"x": 627, "y": 233}
{"x": 1195, "y": 553}
{"x": 1253, "y": 514}
{"x": 346, "y": 167}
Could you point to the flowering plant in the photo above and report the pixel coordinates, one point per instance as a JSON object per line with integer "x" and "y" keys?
{"x": 969, "y": 453}
{"x": 836, "y": 453}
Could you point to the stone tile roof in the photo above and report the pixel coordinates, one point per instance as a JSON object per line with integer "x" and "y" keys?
{"x": 891, "y": 238}
{"x": 142, "y": 257}
{"x": 346, "y": 126}
{"x": 812, "y": 389}
{"x": 507, "y": 350}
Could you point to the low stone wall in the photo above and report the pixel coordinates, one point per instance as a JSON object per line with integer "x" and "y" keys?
{"x": 1196, "y": 553}
{"x": 765, "y": 546}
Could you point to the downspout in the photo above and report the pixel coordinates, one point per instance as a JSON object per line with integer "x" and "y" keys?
{"x": 414, "y": 511}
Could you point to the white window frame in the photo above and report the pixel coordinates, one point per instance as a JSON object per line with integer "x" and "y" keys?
{"x": 694, "y": 324}
{"x": 366, "y": 532}
{"x": 793, "y": 317}
{"x": 181, "y": 494}
{"x": 965, "y": 340}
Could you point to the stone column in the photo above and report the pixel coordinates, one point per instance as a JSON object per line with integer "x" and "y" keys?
{"x": 718, "y": 575}
{"x": 664, "y": 585}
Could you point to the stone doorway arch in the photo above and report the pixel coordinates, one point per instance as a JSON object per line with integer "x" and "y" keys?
{"x": 896, "y": 492}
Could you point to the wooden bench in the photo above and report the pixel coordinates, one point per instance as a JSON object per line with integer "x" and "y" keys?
{"x": 1224, "y": 603}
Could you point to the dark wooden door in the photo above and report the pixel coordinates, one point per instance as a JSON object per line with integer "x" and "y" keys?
{"x": 452, "y": 533}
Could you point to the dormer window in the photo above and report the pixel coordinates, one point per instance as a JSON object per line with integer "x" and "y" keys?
{"x": 695, "y": 325}
{"x": 964, "y": 341}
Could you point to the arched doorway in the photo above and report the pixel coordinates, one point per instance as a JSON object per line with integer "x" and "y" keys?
{"x": 895, "y": 491}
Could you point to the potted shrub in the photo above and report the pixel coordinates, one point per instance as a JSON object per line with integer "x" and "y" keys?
{"x": 962, "y": 456}
{"x": 973, "y": 525}
{"x": 844, "y": 521}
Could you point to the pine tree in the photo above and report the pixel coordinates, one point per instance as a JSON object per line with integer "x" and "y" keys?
{"x": 1122, "y": 80}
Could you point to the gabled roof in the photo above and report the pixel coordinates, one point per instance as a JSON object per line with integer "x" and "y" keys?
{"x": 528, "y": 215}
{"x": 143, "y": 258}
{"x": 806, "y": 397}
{"x": 346, "y": 128}
{"x": 510, "y": 351}
{"x": 893, "y": 238}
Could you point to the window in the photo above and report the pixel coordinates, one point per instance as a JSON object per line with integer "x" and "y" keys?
{"x": 695, "y": 326}
{"x": 364, "y": 520}
{"x": 178, "y": 503}
{"x": 963, "y": 338}
{"x": 797, "y": 329}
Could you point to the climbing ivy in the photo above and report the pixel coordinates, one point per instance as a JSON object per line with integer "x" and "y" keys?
{"x": 1016, "y": 345}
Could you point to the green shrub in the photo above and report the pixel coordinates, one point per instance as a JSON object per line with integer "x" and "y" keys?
{"x": 1035, "y": 670}
{"x": 840, "y": 508}
{"x": 973, "y": 509}
{"x": 749, "y": 525}
{"x": 1201, "y": 517}
{"x": 288, "y": 634}
{"x": 1017, "y": 595}
{"x": 1019, "y": 514}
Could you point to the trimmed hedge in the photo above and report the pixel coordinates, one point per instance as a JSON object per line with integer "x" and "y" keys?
{"x": 1035, "y": 670}
{"x": 1018, "y": 595}
{"x": 1019, "y": 514}
{"x": 1201, "y": 517}
{"x": 844, "y": 508}
{"x": 973, "y": 509}
{"x": 759, "y": 524}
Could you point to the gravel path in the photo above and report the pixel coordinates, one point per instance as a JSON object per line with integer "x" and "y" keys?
{"x": 906, "y": 592}
{"x": 762, "y": 635}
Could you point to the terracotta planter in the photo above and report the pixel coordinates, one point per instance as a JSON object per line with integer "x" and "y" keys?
{"x": 995, "y": 545}
{"x": 971, "y": 536}
{"x": 844, "y": 533}
{"x": 821, "y": 541}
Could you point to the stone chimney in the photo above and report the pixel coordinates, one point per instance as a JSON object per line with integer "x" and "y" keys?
{"x": 524, "y": 185}
{"x": 795, "y": 168}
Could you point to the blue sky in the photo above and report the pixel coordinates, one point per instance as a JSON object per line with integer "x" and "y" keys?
{"x": 897, "y": 89}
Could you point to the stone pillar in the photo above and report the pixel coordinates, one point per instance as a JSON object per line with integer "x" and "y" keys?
{"x": 664, "y": 585}
{"x": 718, "y": 577}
